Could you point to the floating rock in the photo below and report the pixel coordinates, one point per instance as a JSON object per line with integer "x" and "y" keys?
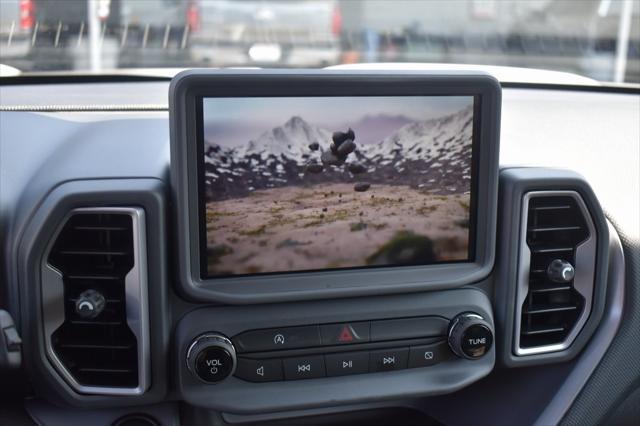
{"x": 314, "y": 168}
{"x": 339, "y": 137}
{"x": 314, "y": 146}
{"x": 346, "y": 148}
{"x": 330, "y": 159}
{"x": 356, "y": 168}
{"x": 405, "y": 248}
{"x": 361, "y": 186}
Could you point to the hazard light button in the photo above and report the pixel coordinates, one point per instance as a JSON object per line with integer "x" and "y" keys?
{"x": 344, "y": 333}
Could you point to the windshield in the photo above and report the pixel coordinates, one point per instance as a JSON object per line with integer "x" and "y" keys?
{"x": 599, "y": 39}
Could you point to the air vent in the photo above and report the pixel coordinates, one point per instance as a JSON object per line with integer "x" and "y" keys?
{"x": 557, "y": 234}
{"x": 100, "y": 340}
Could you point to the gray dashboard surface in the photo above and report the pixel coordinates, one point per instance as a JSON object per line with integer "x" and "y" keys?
{"x": 152, "y": 94}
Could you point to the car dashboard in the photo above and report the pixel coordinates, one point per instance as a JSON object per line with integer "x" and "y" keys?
{"x": 89, "y": 214}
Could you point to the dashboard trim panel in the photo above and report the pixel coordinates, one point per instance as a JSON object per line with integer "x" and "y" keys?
{"x": 136, "y": 303}
{"x": 51, "y": 208}
{"x": 515, "y": 182}
{"x": 583, "y": 281}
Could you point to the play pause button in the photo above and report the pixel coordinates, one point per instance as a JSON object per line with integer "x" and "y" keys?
{"x": 347, "y": 363}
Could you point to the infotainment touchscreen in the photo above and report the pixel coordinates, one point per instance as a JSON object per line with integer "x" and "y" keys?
{"x": 290, "y": 184}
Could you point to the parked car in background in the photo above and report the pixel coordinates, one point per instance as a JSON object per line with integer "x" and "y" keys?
{"x": 154, "y": 33}
{"x": 54, "y": 34}
{"x": 16, "y": 22}
{"x": 299, "y": 33}
{"x": 60, "y": 33}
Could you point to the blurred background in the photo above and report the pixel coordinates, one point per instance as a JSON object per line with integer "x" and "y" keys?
{"x": 595, "y": 38}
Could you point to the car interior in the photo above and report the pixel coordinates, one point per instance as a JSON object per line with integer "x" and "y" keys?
{"x": 246, "y": 232}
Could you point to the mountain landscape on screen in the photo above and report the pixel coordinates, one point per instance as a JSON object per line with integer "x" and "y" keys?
{"x": 434, "y": 154}
{"x": 303, "y": 196}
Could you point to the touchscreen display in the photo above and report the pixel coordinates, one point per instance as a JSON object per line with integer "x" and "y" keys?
{"x": 319, "y": 183}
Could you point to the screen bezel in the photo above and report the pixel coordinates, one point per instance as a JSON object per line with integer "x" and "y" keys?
{"x": 200, "y": 138}
{"x": 186, "y": 94}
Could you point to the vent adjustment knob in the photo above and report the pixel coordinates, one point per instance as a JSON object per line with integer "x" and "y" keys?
{"x": 211, "y": 357}
{"x": 560, "y": 271}
{"x": 470, "y": 336}
{"x": 90, "y": 304}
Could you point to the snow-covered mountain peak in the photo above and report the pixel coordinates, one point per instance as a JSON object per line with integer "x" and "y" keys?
{"x": 291, "y": 140}
{"x": 427, "y": 139}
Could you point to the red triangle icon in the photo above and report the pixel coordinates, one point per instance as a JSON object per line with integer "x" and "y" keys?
{"x": 345, "y": 335}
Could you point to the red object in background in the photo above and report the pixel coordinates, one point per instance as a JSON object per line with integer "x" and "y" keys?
{"x": 336, "y": 21}
{"x": 27, "y": 14}
{"x": 193, "y": 15}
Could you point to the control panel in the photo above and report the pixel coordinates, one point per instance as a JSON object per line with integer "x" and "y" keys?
{"x": 288, "y": 356}
{"x": 338, "y": 349}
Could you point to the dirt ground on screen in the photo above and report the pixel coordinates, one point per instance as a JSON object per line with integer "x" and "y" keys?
{"x": 330, "y": 226}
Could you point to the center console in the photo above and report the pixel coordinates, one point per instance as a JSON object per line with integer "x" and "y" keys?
{"x": 247, "y": 359}
{"x": 311, "y": 191}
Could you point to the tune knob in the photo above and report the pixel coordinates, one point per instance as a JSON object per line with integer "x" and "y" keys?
{"x": 90, "y": 304}
{"x": 560, "y": 271}
{"x": 470, "y": 336}
{"x": 211, "y": 357}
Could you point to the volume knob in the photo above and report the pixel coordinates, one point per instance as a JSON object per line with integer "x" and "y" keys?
{"x": 470, "y": 336}
{"x": 211, "y": 357}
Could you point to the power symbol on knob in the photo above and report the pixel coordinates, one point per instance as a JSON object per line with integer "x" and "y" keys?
{"x": 211, "y": 358}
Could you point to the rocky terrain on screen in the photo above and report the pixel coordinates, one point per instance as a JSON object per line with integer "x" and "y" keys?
{"x": 432, "y": 155}
{"x": 332, "y": 226}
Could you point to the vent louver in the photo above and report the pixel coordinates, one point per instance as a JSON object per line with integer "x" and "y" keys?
{"x": 97, "y": 250}
{"x": 557, "y": 227}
